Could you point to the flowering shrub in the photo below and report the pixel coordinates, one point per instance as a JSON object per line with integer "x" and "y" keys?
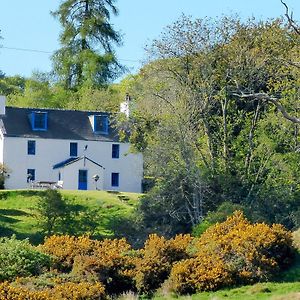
{"x": 65, "y": 248}
{"x": 64, "y": 291}
{"x": 156, "y": 259}
{"x": 111, "y": 262}
{"x": 234, "y": 251}
{"x": 19, "y": 258}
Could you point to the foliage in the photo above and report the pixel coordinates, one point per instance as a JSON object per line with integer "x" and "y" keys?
{"x": 205, "y": 144}
{"x": 86, "y": 55}
{"x": 4, "y": 173}
{"x": 111, "y": 262}
{"x": 64, "y": 291}
{"x": 233, "y": 252}
{"x": 52, "y": 209}
{"x": 219, "y": 215}
{"x": 19, "y": 258}
{"x": 156, "y": 260}
{"x": 65, "y": 248}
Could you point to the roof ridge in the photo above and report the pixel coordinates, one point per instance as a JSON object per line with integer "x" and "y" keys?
{"x": 61, "y": 109}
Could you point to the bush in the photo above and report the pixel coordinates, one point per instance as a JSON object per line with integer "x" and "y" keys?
{"x": 63, "y": 291}
{"x": 19, "y": 258}
{"x": 111, "y": 262}
{"x": 233, "y": 252}
{"x": 156, "y": 260}
{"x": 65, "y": 248}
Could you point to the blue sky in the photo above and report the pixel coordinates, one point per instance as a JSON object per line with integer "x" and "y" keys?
{"x": 29, "y": 25}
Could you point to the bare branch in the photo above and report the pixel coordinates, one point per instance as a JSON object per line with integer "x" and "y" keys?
{"x": 290, "y": 19}
{"x": 273, "y": 100}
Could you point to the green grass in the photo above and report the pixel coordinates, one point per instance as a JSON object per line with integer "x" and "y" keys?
{"x": 18, "y": 213}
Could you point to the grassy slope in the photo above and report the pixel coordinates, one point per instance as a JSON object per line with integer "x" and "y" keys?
{"x": 18, "y": 215}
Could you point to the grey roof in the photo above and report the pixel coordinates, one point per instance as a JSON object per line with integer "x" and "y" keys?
{"x": 62, "y": 124}
{"x": 64, "y": 162}
{"x": 73, "y": 160}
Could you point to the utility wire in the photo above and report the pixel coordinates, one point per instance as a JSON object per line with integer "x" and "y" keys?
{"x": 47, "y": 52}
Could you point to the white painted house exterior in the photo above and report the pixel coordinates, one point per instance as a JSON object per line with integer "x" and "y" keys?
{"x": 72, "y": 147}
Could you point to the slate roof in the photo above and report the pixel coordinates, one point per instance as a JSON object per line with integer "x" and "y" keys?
{"x": 72, "y": 160}
{"x": 62, "y": 124}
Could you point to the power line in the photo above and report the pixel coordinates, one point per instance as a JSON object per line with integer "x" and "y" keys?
{"x": 27, "y": 50}
{"x": 48, "y": 52}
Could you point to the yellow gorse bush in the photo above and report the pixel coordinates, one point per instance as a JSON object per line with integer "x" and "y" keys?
{"x": 65, "y": 291}
{"x": 65, "y": 248}
{"x": 156, "y": 259}
{"x": 233, "y": 252}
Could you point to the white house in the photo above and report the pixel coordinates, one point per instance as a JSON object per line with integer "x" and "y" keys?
{"x": 67, "y": 146}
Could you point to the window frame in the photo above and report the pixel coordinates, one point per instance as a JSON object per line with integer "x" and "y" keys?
{"x": 33, "y": 174}
{"x": 115, "y": 179}
{"x": 115, "y": 151}
{"x": 34, "y": 115}
{"x": 105, "y": 124}
{"x": 31, "y": 147}
{"x": 72, "y": 150}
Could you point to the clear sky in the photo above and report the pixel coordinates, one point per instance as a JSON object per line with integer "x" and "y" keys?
{"x": 29, "y": 25}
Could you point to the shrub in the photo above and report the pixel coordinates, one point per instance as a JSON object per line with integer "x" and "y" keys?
{"x": 65, "y": 248}
{"x": 64, "y": 291}
{"x": 157, "y": 257}
{"x": 111, "y": 262}
{"x": 19, "y": 258}
{"x": 234, "y": 251}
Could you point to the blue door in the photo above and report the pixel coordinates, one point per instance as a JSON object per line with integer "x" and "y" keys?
{"x": 82, "y": 180}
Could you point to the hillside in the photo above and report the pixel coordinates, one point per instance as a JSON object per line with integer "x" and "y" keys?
{"x": 18, "y": 214}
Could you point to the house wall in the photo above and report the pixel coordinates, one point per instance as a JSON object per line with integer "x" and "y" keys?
{"x": 52, "y": 151}
{"x": 70, "y": 175}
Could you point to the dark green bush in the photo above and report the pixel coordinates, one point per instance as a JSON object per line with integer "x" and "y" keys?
{"x": 19, "y": 258}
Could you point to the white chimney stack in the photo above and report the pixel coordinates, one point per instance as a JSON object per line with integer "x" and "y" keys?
{"x": 2, "y": 105}
{"x": 125, "y": 106}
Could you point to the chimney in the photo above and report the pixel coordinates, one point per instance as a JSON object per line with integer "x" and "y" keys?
{"x": 125, "y": 106}
{"x": 2, "y": 105}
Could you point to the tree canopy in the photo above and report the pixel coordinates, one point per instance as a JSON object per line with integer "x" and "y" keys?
{"x": 86, "y": 54}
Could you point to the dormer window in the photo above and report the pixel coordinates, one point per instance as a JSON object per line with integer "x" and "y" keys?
{"x": 99, "y": 123}
{"x": 39, "y": 120}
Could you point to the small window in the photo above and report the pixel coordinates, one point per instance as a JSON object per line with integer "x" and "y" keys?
{"x": 39, "y": 120}
{"x": 101, "y": 124}
{"x": 73, "y": 149}
{"x": 31, "y": 147}
{"x": 115, "y": 179}
{"x": 30, "y": 175}
{"x": 115, "y": 151}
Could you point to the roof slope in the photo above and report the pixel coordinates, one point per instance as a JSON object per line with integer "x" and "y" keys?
{"x": 62, "y": 124}
{"x": 73, "y": 160}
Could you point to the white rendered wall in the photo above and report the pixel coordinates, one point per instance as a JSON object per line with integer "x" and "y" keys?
{"x": 50, "y": 152}
{"x": 69, "y": 175}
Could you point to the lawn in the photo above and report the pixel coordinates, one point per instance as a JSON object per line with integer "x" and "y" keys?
{"x": 18, "y": 213}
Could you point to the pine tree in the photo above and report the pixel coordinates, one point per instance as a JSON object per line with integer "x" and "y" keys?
{"x": 86, "y": 54}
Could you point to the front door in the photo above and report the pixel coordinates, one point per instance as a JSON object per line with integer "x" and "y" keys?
{"x": 82, "y": 180}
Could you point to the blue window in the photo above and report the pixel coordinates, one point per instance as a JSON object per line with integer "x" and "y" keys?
{"x": 39, "y": 120}
{"x": 30, "y": 175}
{"x": 115, "y": 151}
{"x": 101, "y": 124}
{"x": 73, "y": 149}
{"x": 31, "y": 147}
{"x": 114, "y": 179}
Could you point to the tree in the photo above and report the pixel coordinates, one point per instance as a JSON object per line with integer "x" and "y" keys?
{"x": 87, "y": 39}
{"x": 52, "y": 209}
{"x": 205, "y": 143}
